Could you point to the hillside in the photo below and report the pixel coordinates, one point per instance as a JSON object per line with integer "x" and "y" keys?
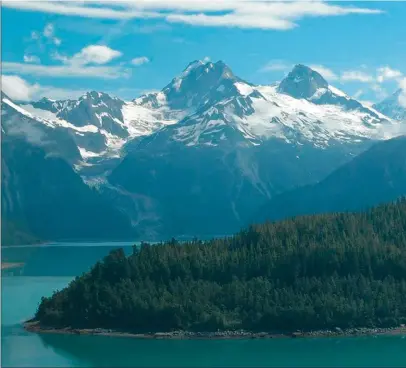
{"x": 236, "y": 146}
{"x": 205, "y": 152}
{"x": 318, "y": 272}
{"x": 375, "y": 176}
{"x": 16, "y": 234}
{"x": 44, "y": 193}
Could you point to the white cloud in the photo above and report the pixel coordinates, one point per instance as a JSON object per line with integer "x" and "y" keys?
{"x": 325, "y": 72}
{"x": 35, "y": 35}
{"x": 23, "y": 128}
{"x": 88, "y": 62}
{"x": 76, "y": 9}
{"x": 49, "y": 30}
{"x": 380, "y": 92}
{"x": 279, "y": 15}
{"x": 357, "y": 76}
{"x": 358, "y": 94}
{"x": 57, "y": 41}
{"x": 381, "y": 75}
{"x": 376, "y": 80}
{"x": 140, "y": 60}
{"x": 275, "y": 66}
{"x": 387, "y": 73}
{"x": 31, "y": 59}
{"x": 267, "y": 15}
{"x": 19, "y": 89}
{"x": 49, "y": 34}
{"x": 58, "y": 93}
{"x": 367, "y": 103}
{"x": 94, "y": 54}
{"x": 59, "y": 57}
{"x": 108, "y": 72}
{"x": 232, "y": 20}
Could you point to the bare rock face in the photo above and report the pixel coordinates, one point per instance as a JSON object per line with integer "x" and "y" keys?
{"x": 302, "y": 82}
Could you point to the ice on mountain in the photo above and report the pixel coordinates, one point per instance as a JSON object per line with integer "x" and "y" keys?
{"x": 243, "y": 88}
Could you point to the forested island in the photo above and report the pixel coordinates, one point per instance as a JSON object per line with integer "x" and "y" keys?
{"x": 334, "y": 271}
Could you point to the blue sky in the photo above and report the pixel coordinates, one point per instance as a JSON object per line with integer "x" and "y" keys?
{"x": 61, "y": 49}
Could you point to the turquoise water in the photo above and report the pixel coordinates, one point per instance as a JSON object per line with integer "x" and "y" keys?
{"x": 47, "y": 269}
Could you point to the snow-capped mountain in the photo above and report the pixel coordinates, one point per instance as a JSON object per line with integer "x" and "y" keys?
{"x": 207, "y": 104}
{"x": 96, "y": 125}
{"x": 55, "y": 139}
{"x": 392, "y": 106}
{"x": 205, "y": 152}
{"x": 200, "y": 84}
{"x": 303, "y": 108}
{"x": 237, "y": 145}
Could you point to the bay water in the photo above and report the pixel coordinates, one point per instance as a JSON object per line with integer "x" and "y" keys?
{"x": 51, "y": 267}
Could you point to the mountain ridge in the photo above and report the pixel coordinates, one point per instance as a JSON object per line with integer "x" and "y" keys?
{"x": 101, "y": 125}
{"x": 376, "y": 176}
{"x": 202, "y": 154}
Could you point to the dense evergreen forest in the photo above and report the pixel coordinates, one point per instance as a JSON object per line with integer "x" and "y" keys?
{"x": 308, "y": 273}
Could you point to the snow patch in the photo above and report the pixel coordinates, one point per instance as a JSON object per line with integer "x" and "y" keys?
{"x": 244, "y": 88}
{"x": 17, "y": 108}
{"x": 338, "y": 92}
{"x": 88, "y": 154}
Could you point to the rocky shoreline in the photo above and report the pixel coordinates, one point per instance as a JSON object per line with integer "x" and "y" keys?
{"x": 34, "y": 326}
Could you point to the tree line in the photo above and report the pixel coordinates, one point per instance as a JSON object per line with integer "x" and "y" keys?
{"x": 314, "y": 272}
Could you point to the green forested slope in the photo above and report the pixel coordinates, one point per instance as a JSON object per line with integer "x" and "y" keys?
{"x": 317, "y": 272}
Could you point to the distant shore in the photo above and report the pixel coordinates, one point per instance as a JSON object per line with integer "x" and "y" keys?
{"x": 9, "y": 265}
{"x": 34, "y": 326}
{"x": 38, "y": 244}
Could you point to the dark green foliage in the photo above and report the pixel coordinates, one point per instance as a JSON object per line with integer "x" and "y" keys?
{"x": 318, "y": 272}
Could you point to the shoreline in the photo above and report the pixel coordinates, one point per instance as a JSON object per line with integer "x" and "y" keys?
{"x": 35, "y": 327}
{"x": 11, "y": 265}
{"x": 26, "y": 245}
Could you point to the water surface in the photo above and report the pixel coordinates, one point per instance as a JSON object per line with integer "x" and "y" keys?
{"x": 52, "y": 267}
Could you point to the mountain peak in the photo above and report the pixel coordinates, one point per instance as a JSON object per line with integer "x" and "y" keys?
{"x": 198, "y": 68}
{"x": 392, "y": 106}
{"x": 94, "y": 95}
{"x": 46, "y": 99}
{"x": 201, "y": 81}
{"x": 302, "y": 82}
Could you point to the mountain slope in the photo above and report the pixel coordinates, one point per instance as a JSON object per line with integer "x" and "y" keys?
{"x": 201, "y": 155}
{"x": 194, "y": 190}
{"x": 89, "y": 132}
{"x": 392, "y": 107}
{"x": 375, "y": 176}
{"x": 206, "y": 100}
{"x": 304, "y": 108}
{"x": 16, "y": 234}
{"x": 44, "y": 193}
{"x": 237, "y": 146}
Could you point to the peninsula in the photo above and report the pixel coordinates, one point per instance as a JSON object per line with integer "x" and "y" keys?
{"x": 308, "y": 276}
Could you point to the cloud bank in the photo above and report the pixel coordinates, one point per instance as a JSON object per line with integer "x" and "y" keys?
{"x": 262, "y": 14}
